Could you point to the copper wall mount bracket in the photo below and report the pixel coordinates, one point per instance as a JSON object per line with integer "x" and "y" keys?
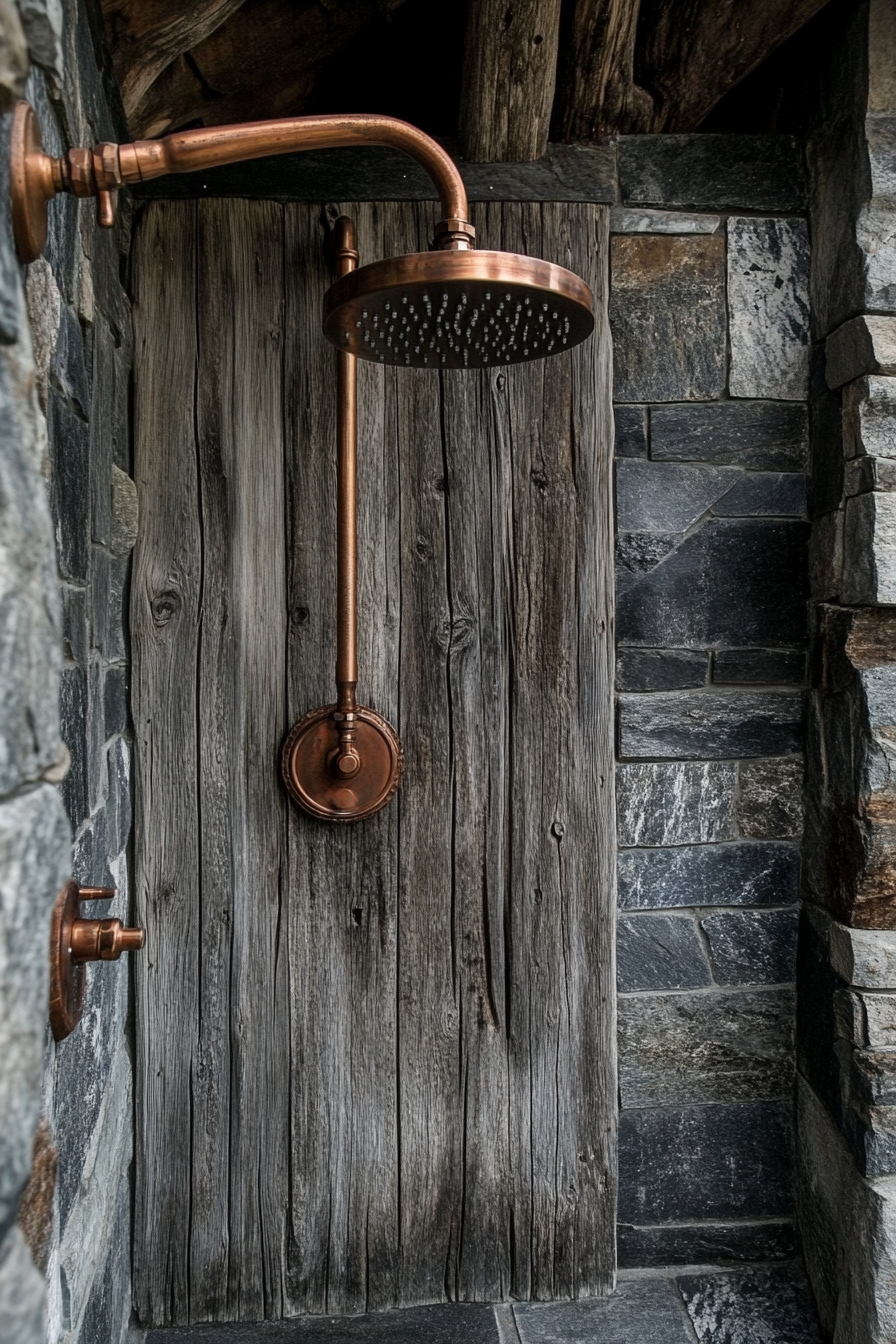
{"x": 75, "y": 941}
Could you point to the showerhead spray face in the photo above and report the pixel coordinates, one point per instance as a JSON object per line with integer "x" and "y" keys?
{"x": 458, "y": 310}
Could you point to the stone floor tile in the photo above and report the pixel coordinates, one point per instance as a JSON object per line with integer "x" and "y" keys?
{"x": 641, "y": 1311}
{"x": 453, "y": 1323}
{"x": 772, "y": 1306}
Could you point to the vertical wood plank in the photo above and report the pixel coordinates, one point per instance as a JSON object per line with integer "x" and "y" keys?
{"x": 241, "y": 1148}
{"x": 343, "y": 1252}
{"x": 165, "y": 604}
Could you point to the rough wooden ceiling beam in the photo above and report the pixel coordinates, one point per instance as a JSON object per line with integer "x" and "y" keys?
{"x": 510, "y": 70}
{"x": 261, "y": 62}
{"x": 691, "y": 52}
{"x": 145, "y": 36}
{"x": 596, "y": 92}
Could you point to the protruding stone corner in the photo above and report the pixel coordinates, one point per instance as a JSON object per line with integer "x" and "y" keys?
{"x": 125, "y": 514}
{"x": 850, "y": 854}
{"x": 863, "y": 345}
{"x": 848, "y": 1230}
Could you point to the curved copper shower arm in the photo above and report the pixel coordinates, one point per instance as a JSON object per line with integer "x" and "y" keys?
{"x": 37, "y": 177}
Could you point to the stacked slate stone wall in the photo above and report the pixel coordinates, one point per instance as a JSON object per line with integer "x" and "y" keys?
{"x": 67, "y": 522}
{"x": 846, "y": 1094}
{"x": 709, "y": 311}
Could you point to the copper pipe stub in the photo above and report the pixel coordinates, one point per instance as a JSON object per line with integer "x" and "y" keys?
{"x": 343, "y": 762}
{"x": 75, "y": 941}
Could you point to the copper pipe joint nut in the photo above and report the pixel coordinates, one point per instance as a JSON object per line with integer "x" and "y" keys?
{"x": 103, "y": 939}
{"x": 80, "y": 172}
{"x": 455, "y": 235}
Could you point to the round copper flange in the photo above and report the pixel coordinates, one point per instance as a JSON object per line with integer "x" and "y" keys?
{"x": 310, "y": 749}
{"x": 67, "y": 976}
{"x": 29, "y": 183}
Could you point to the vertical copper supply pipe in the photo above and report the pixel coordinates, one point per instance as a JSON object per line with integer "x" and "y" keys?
{"x": 347, "y": 760}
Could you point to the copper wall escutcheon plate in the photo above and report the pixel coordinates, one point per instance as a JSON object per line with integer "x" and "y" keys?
{"x": 30, "y": 182}
{"x": 310, "y": 749}
{"x": 75, "y": 941}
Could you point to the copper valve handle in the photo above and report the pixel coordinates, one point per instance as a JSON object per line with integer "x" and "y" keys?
{"x": 36, "y": 177}
{"x": 74, "y": 941}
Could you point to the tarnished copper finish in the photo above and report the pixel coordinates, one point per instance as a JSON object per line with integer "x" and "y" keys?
{"x": 343, "y": 762}
{"x": 312, "y": 749}
{"x": 36, "y": 177}
{"x": 74, "y": 941}
{"x": 458, "y": 310}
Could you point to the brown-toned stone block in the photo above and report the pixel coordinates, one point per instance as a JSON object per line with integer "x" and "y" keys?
{"x": 852, "y": 802}
{"x": 667, "y": 313}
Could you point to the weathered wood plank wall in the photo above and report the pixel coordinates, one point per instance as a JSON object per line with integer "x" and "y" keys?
{"x": 376, "y": 1065}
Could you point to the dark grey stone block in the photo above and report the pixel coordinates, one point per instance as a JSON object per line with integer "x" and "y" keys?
{"x": 630, "y": 431}
{"x": 668, "y": 496}
{"x": 768, "y": 308}
{"x": 694, "y": 875}
{"x": 91, "y": 851}
{"x": 75, "y": 633}
{"x": 759, "y": 667}
{"x": 675, "y": 802}
{"x": 765, "y": 494}
{"x": 73, "y": 726}
{"x": 69, "y": 486}
{"x": 687, "y": 1163}
{"x": 118, "y": 804}
{"x": 871, "y": 1133}
{"x": 639, "y": 552}
{"x": 67, "y": 368}
{"x": 450, "y": 1323}
{"x": 751, "y": 1306}
{"x": 752, "y": 947}
{"x": 734, "y": 581}
{"x": 107, "y": 604}
{"x": 668, "y": 317}
{"x": 712, "y": 172}
{"x": 710, "y": 724}
{"x": 115, "y": 700}
{"x": 770, "y": 798}
{"x": 565, "y": 173}
{"x": 660, "y": 669}
{"x": 108, "y": 1305}
{"x": 659, "y": 952}
{"x": 641, "y": 1311}
{"x": 759, "y": 435}
{"x": 83, "y": 1065}
{"x": 705, "y": 1046}
{"x": 705, "y": 1244}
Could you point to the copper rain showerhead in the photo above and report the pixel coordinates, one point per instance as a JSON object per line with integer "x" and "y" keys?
{"x": 450, "y": 308}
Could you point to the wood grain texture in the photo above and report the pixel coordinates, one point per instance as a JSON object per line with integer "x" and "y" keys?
{"x": 510, "y": 68}
{"x": 596, "y": 91}
{"x": 145, "y": 36}
{"x": 433, "y": 1061}
{"x": 691, "y": 52}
